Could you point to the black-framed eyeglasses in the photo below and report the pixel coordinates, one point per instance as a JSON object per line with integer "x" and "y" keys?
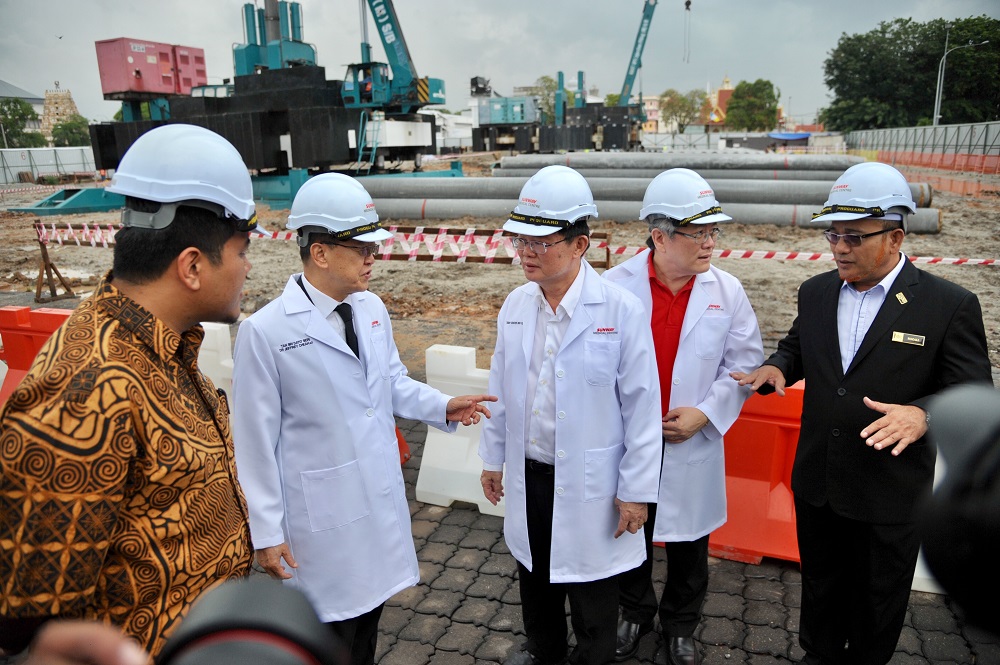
{"x": 364, "y": 250}
{"x": 851, "y": 239}
{"x": 702, "y": 235}
{"x": 536, "y": 246}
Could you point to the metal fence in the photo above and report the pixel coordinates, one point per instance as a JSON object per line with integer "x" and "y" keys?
{"x": 973, "y": 148}
{"x": 30, "y": 164}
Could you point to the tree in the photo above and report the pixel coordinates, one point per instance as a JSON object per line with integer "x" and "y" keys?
{"x": 15, "y": 114}
{"x": 681, "y": 110}
{"x": 545, "y": 89}
{"x": 887, "y": 77}
{"x": 74, "y": 131}
{"x": 753, "y": 106}
{"x": 611, "y": 99}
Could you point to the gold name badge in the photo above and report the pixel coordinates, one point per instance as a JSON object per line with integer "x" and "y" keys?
{"x": 908, "y": 338}
{"x": 901, "y": 298}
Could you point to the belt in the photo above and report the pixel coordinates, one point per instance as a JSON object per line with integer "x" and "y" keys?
{"x": 539, "y": 467}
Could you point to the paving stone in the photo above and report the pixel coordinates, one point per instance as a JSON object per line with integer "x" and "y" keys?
{"x": 468, "y": 558}
{"x": 422, "y": 528}
{"x": 496, "y": 646}
{"x": 919, "y": 598}
{"x": 425, "y": 629}
{"x": 394, "y": 619}
{"x": 723, "y": 605}
{"x": 383, "y": 645}
{"x": 448, "y": 533}
{"x": 759, "y": 659}
{"x": 720, "y": 565}
{"x": 795, "y": 651}
{"x": 500, "y": 547}
{"x": 721, "y": 631}
{"x": 480, "y": 539}
{"x": 760, "y": 613}
{"x": 726, "y": 582}
{"x": 978, "y": 635}
{"x": 492, "y": 587}
{"x": 408, "y": 653}
{"x": 766, "y": 640}
{"x": 461, "y": 517}
{"x": 463, "y": 638}
{"x": 792, "y": 622}
{"x": 432, "y": 513}
{"x": 769, "y": 590}
{"x": 507, "y": 620}
{"x": 408, "y": 598}
{"x": 791, "y": 576}
{"x": 948, "y": 647}
{"x": 454, "y": 579}
{"x": 793, "y": 595}
{"x": 477, "y": 611}
{"x": 429, "y": 571}
{"x": 935, "y": 618}
{"x": 909, "y": 641}
{"x": 722, "y": 655}
{"x": 440, "y": 603}
{"x": 513, "y": 595}
{"x": 410, "y": 475}
{"x": 451, "y": 658}
{"x": 767, "y": 569}
{"x": 488, "y": 522}
{"x": 436, "y": 552}
{"x": 907, "y": 659}
{"x": 986, "y": 653}
{"x": 500, "y": 564}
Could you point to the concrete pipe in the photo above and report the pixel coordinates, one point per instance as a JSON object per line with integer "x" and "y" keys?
{"x": 799, "y": 192}
{"x": 708, "y": 174}
{"x": 926, "y": 220}
{"x": 696, "y": 161}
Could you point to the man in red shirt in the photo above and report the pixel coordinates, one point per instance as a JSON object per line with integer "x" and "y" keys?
{"x": 703, "y": 327}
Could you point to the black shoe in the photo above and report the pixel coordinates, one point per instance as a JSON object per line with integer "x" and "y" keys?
{"x": 525, "y": 657}
{"x": 629, "y": 635}
{"x": 678, "y": 651}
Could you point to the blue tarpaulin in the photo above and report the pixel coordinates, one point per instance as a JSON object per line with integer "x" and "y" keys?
{"x": 789, "y": 136}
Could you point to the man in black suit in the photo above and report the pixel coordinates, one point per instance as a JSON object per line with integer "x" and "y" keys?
{"x": 874, "y": 341}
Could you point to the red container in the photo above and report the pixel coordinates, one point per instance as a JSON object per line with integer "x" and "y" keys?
{"x": 760, "y": 449}
{"x": 135, "y": 68}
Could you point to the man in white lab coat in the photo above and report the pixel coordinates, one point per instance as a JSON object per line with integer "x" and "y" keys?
{"x": 577, "y": 425}
{"x": 316, "y": 382}
{"x": 703, "y": 328}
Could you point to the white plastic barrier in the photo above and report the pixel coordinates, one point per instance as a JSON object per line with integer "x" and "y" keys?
{"x": 450, "y": 467}
{"x": 215, "y": 358}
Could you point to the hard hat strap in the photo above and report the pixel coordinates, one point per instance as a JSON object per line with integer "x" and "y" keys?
{"x": 874, "y": 211}
{"x": 540, "y": 221}
{"x": 165, "y": 214}
{"x": 714, "y": 210}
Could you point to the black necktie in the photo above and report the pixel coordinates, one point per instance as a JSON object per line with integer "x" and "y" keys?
{"x": 345, "y": 312}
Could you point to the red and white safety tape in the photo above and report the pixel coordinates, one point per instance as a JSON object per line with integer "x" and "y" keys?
{"x": 488, "y": 246}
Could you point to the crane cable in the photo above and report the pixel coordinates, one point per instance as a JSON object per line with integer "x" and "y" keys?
{"x": 687, "y": 32}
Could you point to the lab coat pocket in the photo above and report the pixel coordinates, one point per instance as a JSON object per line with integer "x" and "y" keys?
{"x": 334, "y": 497}
{"x": 381, "y": 351}
{"x": 710, "y": 336}
{"x": 600, "y": 362}
{"x": 600, "y": 474}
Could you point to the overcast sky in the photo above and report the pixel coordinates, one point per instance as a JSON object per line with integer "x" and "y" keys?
{"x": 510, "y": 42}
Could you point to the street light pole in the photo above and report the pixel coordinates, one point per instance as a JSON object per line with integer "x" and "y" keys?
{"x": 941, "y": 65}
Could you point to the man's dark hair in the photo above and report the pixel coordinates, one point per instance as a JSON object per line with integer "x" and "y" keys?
{"x": 314, "y": 237}
{"x": 143, "y": 255}
{"x": 578, "y": 228}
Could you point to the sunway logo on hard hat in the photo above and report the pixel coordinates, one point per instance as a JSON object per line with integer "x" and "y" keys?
{"x": 705, "y": 192}
{"x": 846, "y": 187}
{"x": 369, "y": 206}
{"x": 529, "y": 202}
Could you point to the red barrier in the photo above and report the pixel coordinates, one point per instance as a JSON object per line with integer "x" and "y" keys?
{"x": 760, "y": 448}
{"x": 24, "y": 331}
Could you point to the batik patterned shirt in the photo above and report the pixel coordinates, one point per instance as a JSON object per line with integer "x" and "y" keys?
{"x": 118, "y": 493}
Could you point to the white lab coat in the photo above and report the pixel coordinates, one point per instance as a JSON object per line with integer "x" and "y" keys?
{"x": 719, "y": 335}
{"x": 316, "y": 448}
{"x": 607, "y": 427}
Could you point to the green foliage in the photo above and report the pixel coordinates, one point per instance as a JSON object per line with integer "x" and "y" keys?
{"x": 887, "y": 77}
{"x": 72, "y": 132}
{"x": 682, "y": 109}
{"x": 15, "y": 114}
{"x": 611, "y": 99}
{"x": 753, "y": 106}
{"x": 545, "y": 89}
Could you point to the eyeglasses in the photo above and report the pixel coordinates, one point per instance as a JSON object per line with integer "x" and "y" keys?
{"x": 851, "y": 239}
{"x": 364, "y": 250}
{"x": 535, "y": 246}
{"x": 702, "y": 235}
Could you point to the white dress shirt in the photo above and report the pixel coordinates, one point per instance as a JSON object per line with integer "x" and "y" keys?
{"x": 857, "y": 309}
{"x": 327, "y": 307}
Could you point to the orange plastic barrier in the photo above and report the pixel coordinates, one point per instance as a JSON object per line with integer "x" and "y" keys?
{"x": 23, "y": 331}
{"x": 760, "y": 448}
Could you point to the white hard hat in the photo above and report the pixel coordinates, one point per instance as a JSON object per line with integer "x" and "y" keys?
{"x": 184, "y": 165}
{"x": 337, "y": 204}
{"x": 684, "y": 197}
{"x": 869, "y": 189}
{"x": 551, "y": 201}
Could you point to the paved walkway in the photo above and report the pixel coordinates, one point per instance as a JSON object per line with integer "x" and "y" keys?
{"x": 466, "y": 610}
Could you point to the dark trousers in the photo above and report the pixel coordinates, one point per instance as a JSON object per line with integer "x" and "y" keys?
{"x": 359, "y": 636}
{"x": 683, "y": 594}
{"x": 856, "y": 581}
{"x": 593, "y": 605}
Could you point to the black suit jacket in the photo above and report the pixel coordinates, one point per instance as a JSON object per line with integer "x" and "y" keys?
{"x": 833, "y": 464}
